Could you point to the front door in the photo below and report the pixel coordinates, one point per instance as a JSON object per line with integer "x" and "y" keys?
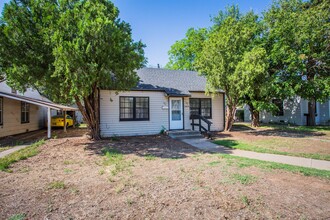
{"x": 176, "y": 113}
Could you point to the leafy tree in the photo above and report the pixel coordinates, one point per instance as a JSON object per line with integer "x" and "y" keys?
{"x": 225, "y": 53}
{"x": 183, "y": 53}
{"x": 69, "y": 50}
{"x": 299, "y": 32}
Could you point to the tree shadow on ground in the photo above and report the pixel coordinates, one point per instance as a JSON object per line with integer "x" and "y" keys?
{"x": 160, "y": 146}
{"x": 286, "y": 133}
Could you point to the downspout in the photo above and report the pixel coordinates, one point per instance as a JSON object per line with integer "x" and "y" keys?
{"x": 224, "y": 111}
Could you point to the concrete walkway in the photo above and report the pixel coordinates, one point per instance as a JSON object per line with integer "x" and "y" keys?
{"x": 12, "y": 150}
{"x": 207, "y": 145}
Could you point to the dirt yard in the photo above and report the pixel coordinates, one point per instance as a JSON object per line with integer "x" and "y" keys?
{"x": 152, "y": 177}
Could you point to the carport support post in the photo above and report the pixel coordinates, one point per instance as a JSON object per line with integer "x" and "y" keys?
{"x": 49, "y": 132}
{"x": 64, "y": 127}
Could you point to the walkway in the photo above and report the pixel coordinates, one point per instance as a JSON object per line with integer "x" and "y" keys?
{"x": 12, "y": 150}
{"x": 207, "y": 145}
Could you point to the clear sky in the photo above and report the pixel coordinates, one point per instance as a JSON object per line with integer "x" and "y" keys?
{"x": 159, "y": 23}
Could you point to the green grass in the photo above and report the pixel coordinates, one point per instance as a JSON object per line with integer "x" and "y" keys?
{"x": 298, "y": 128}
{"x": 244, "y": 146}
{"x": 57, "y": 185}
{"x": 18, "y": 217}
{"x": 22, "y": 154}
{"x": 246, "y": 162}
{"x": 4, "y": 148}
{"x": 115, "y": 158}
{"x": 245, "y": 179}
{"x": 150, "y": 157}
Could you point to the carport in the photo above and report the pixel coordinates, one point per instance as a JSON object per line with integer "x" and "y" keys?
{"x": 47, "y": 104}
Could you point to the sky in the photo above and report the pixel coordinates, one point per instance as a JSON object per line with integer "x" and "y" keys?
{"x": 159, "y": 23}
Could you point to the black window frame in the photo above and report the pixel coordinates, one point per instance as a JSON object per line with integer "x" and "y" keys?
{"x": 134, "y": 118}
{"x": 279, "y": 103}
{"x": 200, "y": 106}
{"x": 25, "y": 115}
{"x": 1, "y": 111}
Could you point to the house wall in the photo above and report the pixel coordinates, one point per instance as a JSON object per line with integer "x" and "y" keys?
{"x": 12, "y": 118}
{"x": 109, "y": 114}
{"x": 159, "y": 113}
{"x": 217, "y": 111}
{"x": 294, "y": 112}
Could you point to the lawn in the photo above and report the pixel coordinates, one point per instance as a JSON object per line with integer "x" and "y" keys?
{"x": 298, "y": 141}
{"x": 156, "y": 177}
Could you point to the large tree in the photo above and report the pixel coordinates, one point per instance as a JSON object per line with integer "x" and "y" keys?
{"x": 300, "y": 35}
{"x": 222, "y": 57}
{"x": 183, "y": 52}
{"x": 69, "y": 50}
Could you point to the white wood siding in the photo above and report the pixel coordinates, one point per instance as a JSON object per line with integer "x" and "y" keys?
{"x": 217, "y": 111}
{"x": 111, "y": 125}
{"x": 12, "y": 118}
{"x": 109, "y": 114}
{"x": 292, "y": 109}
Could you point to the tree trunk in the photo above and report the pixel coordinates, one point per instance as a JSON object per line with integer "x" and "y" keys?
{"x": 254, "y": 116}
{"x": 311, "y": 113}
{"x": 230, "y": 113}
{"x": 255, "y": 119}
{"x": 90, "y": 112}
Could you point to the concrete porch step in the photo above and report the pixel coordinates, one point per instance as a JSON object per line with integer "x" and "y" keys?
{"x": 185, "y": 134}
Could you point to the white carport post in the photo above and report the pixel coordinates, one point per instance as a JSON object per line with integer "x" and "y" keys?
{"x": 49, "y": 131}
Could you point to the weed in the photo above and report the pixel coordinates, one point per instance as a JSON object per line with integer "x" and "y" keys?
{"x": 150, "y": 157}
{"x": 57, "y": 185}
{"x": 245, "y": 200}
{"x": 129, "y": 201}
{"x": 244, "y": 179}
{"x": 120, "y": 188}
{"x": 161, "y": 178}
{"x": 74, "y": 190}
{"x": 101, "y": 172}
{"x": 214, "y": 163}
{"x": 67, "y": 171}
{"x": 114, "y": 138}
{"x": 115, "y": 158}
{"x": 18, "y": 217}
{"x": 22, "y": 154}
{"x": 68, "y": 162}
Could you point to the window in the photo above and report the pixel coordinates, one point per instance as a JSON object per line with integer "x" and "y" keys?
{"x": 1, "y": 111}
{"x": 25, "y": 112}
{"x": 134, "y": 108}
{"x": 201, "y": 107}
{"x": 279, "y": 104}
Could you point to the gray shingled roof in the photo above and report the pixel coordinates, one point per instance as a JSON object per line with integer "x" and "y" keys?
{"x": 173, "y": 82}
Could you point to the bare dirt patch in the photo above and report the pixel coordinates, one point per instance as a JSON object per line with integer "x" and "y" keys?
{"x": 158, "y": 178}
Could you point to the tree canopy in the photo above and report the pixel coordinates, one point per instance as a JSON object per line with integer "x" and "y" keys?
{"x": 183, "y": 53}
{"x": 69, "y": 49}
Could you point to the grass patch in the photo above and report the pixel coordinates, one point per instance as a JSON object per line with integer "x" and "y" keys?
{"x": 298, "y": 128}
{"x": 18, "y": 217}
{"x": 4, "y": 148}
{"x": 246, "y": 162}
{"x": 57, "y": 185}
{"x": 234, "y": 144}
{"x": 150, "y": 157}
{"x": 214, "y": 163}
{"x": 22, "y": 154}
{"x": 243, "y": 179}
{"x": 115, "y": 158}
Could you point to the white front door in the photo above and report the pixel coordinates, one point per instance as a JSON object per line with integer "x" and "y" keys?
{"x": 176, "y": 113}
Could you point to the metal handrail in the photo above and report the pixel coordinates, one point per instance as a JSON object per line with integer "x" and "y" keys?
{"x": 200, "y": 119}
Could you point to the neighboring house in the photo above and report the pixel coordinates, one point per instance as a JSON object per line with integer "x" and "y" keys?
{"x": 163, "y": 99}
{"x": 24, "y": 112}
{"x": 293, "y": 111}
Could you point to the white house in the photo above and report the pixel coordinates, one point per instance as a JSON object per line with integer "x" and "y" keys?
{"x": 293, "y": 111}
{"x": 163, "y": 99}
{"x": 24, "y": 112}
